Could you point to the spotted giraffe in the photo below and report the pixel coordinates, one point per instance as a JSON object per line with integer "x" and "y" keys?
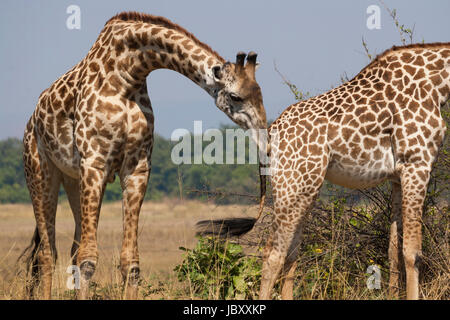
{"x": 384, "y": 124}
{"x": 97, "y": 121}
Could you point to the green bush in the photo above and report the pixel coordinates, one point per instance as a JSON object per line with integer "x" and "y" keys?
{"x": 218, "y": 269}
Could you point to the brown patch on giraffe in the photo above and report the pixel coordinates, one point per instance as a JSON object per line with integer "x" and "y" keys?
{"x": 176, "y": 37}
{"x": 108, "y": 91}
{"x": 347, "y": 118}
{"x": 187, "y": 44}
{"x": 387, "y": 75}
{"x": 198, "y": 57}
{"x": 410, "y": 90}
{"x": 108, "y": 108}
{"x": 156, "y": 65}
{"x": 163, "y": 57}
{"x": 155, "y": 31}
{"x": 377, "y": 155}
{"x": 347, "y": 133}
{"x": 411, "y": 128}
{"x": 314, "y": 134}
{"x": 333, "y": 131}
{"x": 181, "y": 54}
{"x": 436, "y": 80}
{"x": 143, "y": 38}
{"x": 315, "y": 150}
{"x": 157, "y": 41}
{"x": 398, "y": 84}
{"x": 444, "y": 91}
{"x": 355, "y": 150}
{"x": 369, "y": 143}
{"x": 68, "y": 101}
{"x": 395, "y": 65}
{"x": 99, "y": 82}
{"x": 444, "y": 74}
{"x": 169, "y": 47}
{"x": 94, "y": 67}
{"x": 406, "y": 57}
{"x": 433, "y": 122}
{"x": 419, "y": 61}
{"x": 438, "y": 65}
{"x": 91, "y": 177}
{"x": 378, "y": 86}
{"x": 132, "y": 42}
{"x": 420, "y": 74}
{"x": 390, "y": 93}
{"x": 410, "y": 69}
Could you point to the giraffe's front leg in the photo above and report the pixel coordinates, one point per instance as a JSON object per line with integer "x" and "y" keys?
{"x": 134, "y": 185}
{"x": 92, "y": 186}
{"x": 290, "y": 265}
{"x": 281, "y": 252}
{"x": 414, "y": 180}
{"x": 395, "y": 243}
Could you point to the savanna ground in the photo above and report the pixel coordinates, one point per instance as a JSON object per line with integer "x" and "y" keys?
{"x": 163, "y": 227}
{"x": 340, "y": 242}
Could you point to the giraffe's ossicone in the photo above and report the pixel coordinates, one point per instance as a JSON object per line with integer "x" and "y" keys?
{"x": 96, "y": 121}
{"x": 384, "y": 124}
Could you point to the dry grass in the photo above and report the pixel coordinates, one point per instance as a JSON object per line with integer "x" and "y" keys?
{"x": 163, "y": 227}
{"x": 334, "y": 253}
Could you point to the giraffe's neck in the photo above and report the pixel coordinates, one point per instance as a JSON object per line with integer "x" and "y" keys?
{"x": 133, "y": 49}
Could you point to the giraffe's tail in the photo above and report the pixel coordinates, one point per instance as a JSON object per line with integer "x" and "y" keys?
{"x": 230, "y": 227}
{"x": 31, "y": 260}
{"x": 233, "y": 227}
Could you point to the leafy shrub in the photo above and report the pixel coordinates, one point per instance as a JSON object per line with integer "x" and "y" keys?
{"x": 219, "y": 269}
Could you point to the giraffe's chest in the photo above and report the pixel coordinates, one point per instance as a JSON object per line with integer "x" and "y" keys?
{"x": 363, "y": 171}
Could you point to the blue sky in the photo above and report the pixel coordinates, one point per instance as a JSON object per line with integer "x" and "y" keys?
{"x": 312, "y": 42}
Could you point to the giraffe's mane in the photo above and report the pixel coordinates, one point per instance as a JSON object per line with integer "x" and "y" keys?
{"x": 433, "y": 45}
{"x": 163, "y": 22}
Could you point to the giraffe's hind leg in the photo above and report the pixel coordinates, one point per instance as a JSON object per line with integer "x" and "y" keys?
{"x": 43, "y": 181}
{"x": 72, "y": 188}
{"x": 134, "y": 184}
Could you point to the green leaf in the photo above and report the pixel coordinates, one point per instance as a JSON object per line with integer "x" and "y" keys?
{"x": 239, "y": 283}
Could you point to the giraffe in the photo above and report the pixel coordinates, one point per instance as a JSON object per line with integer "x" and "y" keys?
{"x": 96, "y": 121}
{"x": 383, "y": 125}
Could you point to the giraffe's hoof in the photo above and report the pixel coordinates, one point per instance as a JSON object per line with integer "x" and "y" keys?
{"x": 133, "y": 275}
{"x": 87, "y": 269}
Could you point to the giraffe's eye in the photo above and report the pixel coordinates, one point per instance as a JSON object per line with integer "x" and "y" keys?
{"x": 234, "y": 97}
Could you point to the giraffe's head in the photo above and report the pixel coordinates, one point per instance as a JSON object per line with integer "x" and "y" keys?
{"x": 238, "y": 94}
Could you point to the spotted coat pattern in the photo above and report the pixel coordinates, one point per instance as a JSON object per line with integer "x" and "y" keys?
{"x": 96, "y": 121}
{"x": 385, "y": 124}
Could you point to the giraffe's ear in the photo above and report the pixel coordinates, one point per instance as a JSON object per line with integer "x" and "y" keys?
{"x": 217, "y": 73}
{"x": 257, "y": 66}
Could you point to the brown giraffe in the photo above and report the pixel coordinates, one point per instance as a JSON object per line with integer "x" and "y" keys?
{"x": 384, "y": 124}
{"x": 97, "y": 121}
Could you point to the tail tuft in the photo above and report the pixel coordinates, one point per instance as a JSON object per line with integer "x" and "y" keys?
{"x": 31, "y": 261}
{"x": 231, "y": 227}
